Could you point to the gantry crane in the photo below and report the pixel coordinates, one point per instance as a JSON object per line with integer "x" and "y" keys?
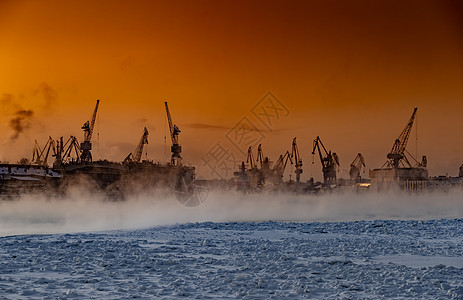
{"x": 397, "y": 158}
{"x": 176, "y": 149}
{"x": 356, "y": 167}
{"x": 139, "y": 150}
{"x": 86, "y": 145}
{"x": 297, "y": 160}
{"x": 329, "y": 162}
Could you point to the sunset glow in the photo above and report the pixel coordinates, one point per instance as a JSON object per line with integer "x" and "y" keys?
{"x": 350, "y": 72}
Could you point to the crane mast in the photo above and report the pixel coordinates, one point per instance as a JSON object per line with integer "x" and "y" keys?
{"x": 139, "y": 150}
{"x": 250, "y": 158}
{"x": 260, "y": 156}
{"x": 86, "y": 145}
{"x": 40, "y": 156}
{"x": 328, "y": 160}
{"x": 36, "y": 153}
{"x": 64, "y": 151}
{"x": 397, "y": 154}
{"x": 281, "y": 163}
{"x": 143, "y": 142}
{"x": 176, "y": 149}
{"x": 356, "y": 167}
{"x": 297, "y": 160}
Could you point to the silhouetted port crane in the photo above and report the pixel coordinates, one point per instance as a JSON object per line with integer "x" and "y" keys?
{"x": 176, "y": 149}
{"x": 65, "y": 151}
{"x": 260, "y": 156}
{"x": 86, "y": 145}
{"x": 136, "y": 158}
{"x": 356, "y": 167}
{"x": 40, "y": 156}
{"x": 263, "y": 161}
{"x": 329, "y": 162}
{"x": 250, "y": 159}
{"x": 280, "y": 165}
{"x": 297, "y": 160}
{"x": 397, "y": 158}
{"x": 256, "y": 176}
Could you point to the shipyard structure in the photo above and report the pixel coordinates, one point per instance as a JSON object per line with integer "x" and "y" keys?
{"x": 73, "y": 165}
{"x": 401, "y": 171}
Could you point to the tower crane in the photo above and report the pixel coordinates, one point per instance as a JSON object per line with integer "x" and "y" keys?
{"x": 329, "y": 162}
{"x": 396, "y": 158}
{"x": 86, "y": 145}
{"x": 139, "y": 150}
{"x": 176, "y": 149}
{"x": 297, "y": 160}
{"x": 356, "y": 167}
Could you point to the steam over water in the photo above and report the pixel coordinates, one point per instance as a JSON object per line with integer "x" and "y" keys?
{"x": 77, "y": 213}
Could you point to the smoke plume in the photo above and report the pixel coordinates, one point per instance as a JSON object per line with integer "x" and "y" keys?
{"x": 48, "y": 93}
{"x": 20, "y": 122}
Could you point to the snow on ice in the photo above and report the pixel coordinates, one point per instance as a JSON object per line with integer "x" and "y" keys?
{"x": 364, "y": 259}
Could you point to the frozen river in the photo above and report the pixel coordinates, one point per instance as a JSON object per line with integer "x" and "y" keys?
{"x": 248, "y": 260}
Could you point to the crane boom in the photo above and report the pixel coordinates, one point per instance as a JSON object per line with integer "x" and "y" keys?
{"x": 86, "y": 145}
{"x": 260, "y": 156}
{"x": 88, "y": 126}
{"x": 316, "y": 145}
{"x": 356, "y": 167}
{"x": 329, "y": 162}
{"x": 169, "y": 120}
{"x": 358, "y": 162}
{"x": 36, "y": 153}
{"x": 281, "y": 163}
{"x": 40, "y": 155}
{"x": 67, "y": 148}
{"x": 49, "y": 145}
{"x": 143, "y": 142}
{"x": 176, "y": 149}
{"x": 297, "y": 160}
{"x": 397, "y": 153}
{"x": 250, "y": 158}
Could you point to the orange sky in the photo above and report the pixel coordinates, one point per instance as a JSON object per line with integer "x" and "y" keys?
{"x": 348, "y": 71}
